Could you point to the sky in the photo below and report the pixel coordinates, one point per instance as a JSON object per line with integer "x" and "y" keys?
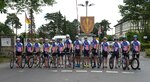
{"x": 102, "y": 9}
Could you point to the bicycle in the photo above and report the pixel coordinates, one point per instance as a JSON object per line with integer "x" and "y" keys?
{"x": 13, "y": 60}
{"x": 111, "y": 61}
{"x": 29, "y": 61}
{"x": 134, "y": 62}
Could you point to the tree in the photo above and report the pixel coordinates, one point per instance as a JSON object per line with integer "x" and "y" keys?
{"x": 4, "y": 29}
{"x": 13, "y": 20}
{"x": 137, "y": 11}
{"x": 96, "y": 28}
{"x": 56, "y": 22}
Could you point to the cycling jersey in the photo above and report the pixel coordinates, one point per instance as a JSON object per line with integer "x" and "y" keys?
{"x": 19, "y": 46}
{"x": 46, "y": 47}
{"x": 36, "y": 47}
{"x": 54, "y": 45}
{"x": 86, "y": 45}
{"x": 124, "y": 45}
{"x": 94, "y": 43}
{"x": 77, "y": 44}
{"x": 29, "y": 47}
{"x": 60, "y": 47}
{"x": 116, "y": 46}
{"x": 135, "y": 45}
{"x": 104, "y": 46}
{"x": 68, "y": 43}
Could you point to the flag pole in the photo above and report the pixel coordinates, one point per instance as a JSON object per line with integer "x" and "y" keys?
{"x": 25, "y": 29}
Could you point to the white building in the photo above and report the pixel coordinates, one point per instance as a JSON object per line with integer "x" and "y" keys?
{"x": 123, "y": 27}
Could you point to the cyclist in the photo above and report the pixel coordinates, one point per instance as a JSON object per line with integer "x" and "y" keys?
{"x": 86, "y": 50}
{"x": 77, "y": 48}
{"x": 116, "y": 46}
{"x": 125, "y": 45}
{"x": 105, "y": 47}
{"x": 37, "y": 49}
{"x": 94, "y": 48}
{"x": 54, "y": 50}
{"x": 29, "y": 49}
{"x": 19, "y": 50}
{"x": 60, "y": 51}
{"x": 68, "y": 48}
{"x": 46, "y": 47}
{"x": 136, "y": 47}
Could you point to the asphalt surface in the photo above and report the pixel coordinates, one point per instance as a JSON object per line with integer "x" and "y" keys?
{"x": 75, "y": 75}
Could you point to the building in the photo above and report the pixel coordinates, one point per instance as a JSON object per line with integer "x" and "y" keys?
{"x": 125, "y": 26}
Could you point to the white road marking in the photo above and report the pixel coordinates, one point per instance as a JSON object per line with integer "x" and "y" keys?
{"x": 128, "y": 72}
{"x": 54, "y": 70}
{"x": 112, "y": 72}
{"x": 81, "y": 71}
{"x": 94, "y": 71}
{"x": 21, "y": 71}
{"x": 66, "y": 71}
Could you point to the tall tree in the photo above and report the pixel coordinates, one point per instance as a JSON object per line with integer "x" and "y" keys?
{"x": 13, "y": 21}
{"x": 137, "y": 11}
{"x": 105, "y": 26}
{"x": 56, "y": 21}
{"x": 4, "y": 29}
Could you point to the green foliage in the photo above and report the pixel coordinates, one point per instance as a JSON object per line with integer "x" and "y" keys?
{"x": 145, "y": 46}
{"x": 138, "y": 11}
{"x": 13, "y": 20}
{"x": 147, "y": 51}
{"x": 5, "y": 29}
{"x": 110, "y": 37}
{"x": 58, "y": 25}
{"x": 131, "y": 34}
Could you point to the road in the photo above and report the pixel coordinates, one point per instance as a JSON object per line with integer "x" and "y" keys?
{"x": 76, "y": 75}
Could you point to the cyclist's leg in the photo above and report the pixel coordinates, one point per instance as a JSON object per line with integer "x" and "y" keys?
{"x": 62, "y": 59}
{"x": 18, "y": 54}
{"x": 105, "y": 59}
{"x": 45, "y": 59}
{"x": 88, "y": 58}
{"x": 85, "y": 53}
{"x": 117, "y": 57}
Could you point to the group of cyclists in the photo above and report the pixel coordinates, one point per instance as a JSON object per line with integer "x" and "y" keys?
{"x": 85, "y": 49}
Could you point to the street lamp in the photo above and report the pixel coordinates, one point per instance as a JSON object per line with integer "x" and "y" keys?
{"x": 86, "y": 5}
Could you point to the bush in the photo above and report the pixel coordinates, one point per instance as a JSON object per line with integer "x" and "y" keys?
{"x": 147, "y": 51}
{"x": 145, "y": 46}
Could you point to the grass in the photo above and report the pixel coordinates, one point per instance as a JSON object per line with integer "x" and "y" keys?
{"x": 4, "y": 58}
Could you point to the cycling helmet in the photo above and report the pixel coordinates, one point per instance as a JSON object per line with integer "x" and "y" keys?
{"x": 67, "y": 35}
{"x": 124, "y": 37}
{"x": 135, "y": 36}
{"x": 46, "y": 39}
{"x": 116, "y": 38}
{"x": 105, "y": 38}
{"x": 18, "y": 39}
{"x": 77, "y": 36}
{"x": 85, "y": 37}
{"x": 36, "y": 39}
{"x": 53, "y": 39}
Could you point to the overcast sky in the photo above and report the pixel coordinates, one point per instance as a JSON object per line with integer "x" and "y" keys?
{"x": 103, "y": 9}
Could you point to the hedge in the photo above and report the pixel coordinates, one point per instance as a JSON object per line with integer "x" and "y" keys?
{"x": 145, "y": 46}
{"x": 147, "y": 51}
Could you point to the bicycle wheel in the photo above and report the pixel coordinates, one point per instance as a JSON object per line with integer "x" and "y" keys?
{"x": 134, "y": 63}
{"x": 73, "y": 60}
{"x": 49, "y": 62}
{"x": 12, "y": 60}
{"x": 30, "y": 62}
{"x": 124, "y": 63}
{"x": 23, "y": 61}
{"x": 41, "y": 61}
{"x": 111, "y": 62}
{"x": 119, "y": 62}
